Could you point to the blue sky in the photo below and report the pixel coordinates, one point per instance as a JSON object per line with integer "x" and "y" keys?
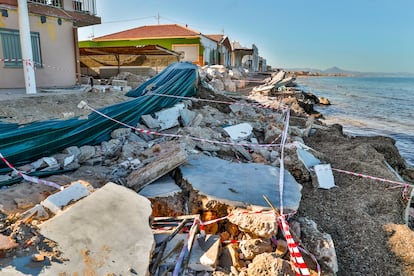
{"x": 362, "y": 35}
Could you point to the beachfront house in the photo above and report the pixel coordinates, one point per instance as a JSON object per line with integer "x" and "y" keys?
{"x": 54, "y": 40}
{"x": 188, "y": 44}
{"x": 224, "y": 50}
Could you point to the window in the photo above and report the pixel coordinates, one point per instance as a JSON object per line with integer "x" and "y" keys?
{"x": 10, "y": 42}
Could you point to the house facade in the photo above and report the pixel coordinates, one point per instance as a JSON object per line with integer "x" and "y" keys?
{"x": 192, "y": 45}
{"x": 53, "y": 29}
{"x": 224, "y": 51}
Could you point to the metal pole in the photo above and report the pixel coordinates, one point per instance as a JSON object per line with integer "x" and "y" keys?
{"x": 26, "y": 45}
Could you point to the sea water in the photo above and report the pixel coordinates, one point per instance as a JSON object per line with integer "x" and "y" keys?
{"x": 369, "y": 106}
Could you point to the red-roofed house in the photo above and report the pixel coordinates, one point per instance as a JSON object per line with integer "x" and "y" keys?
{"x": 193, "y": 46}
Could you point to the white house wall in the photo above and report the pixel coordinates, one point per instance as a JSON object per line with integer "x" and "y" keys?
{"x": 57, "y": 51}
{"x": 210, "y": 49}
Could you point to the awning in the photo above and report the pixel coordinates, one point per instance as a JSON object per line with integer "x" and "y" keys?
{"x": 150, "y": 50}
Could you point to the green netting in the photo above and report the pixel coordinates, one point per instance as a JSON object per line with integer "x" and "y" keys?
{"x": 29, "y": 142}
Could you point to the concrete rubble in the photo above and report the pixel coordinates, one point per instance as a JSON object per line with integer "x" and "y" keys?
{"x": 113, "y": 228}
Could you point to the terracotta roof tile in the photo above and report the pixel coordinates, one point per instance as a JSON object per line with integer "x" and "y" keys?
{"x": 151, "y": 31}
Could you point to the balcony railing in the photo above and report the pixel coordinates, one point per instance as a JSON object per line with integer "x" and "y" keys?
{"x": 53, "y": 3}
{"x": 84, "y": 6}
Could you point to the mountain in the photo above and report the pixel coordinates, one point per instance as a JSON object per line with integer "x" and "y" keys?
{"x": 337, "y": 70}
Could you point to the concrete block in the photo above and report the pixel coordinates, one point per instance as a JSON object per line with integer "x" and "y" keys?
{"x": 162, "y": 187}
{"x": 106, "y": 233}
{"x": 187, "y": 116}
{"x": 324, "y": 176}
{"x": 168, "y": 118}
{"x": 149, "y": 121}
{"x": 57, "y": 201}
{"x": 204, "y": 255}
{"x": 240, "y": 131}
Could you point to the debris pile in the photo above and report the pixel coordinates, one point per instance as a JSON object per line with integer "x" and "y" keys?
{"x": 183, "y": 190}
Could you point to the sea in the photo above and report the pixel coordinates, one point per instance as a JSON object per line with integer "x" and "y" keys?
{"x": 368, "y": 106}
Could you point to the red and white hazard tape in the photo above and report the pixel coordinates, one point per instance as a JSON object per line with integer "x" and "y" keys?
{"x": 300, "y": 266}
{"x": 31, "y": 178}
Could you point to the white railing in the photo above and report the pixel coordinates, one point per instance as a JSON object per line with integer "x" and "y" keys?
{"x": 84, "y": 6}
{"x": 53, "y": 3}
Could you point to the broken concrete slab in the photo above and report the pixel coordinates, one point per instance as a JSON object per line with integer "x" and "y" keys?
{"x": 262, "y": 225}
{"x": 168, "y": 118}
{"x": 307, "y": 158}
{"x": 240, "y": 131}
{"x": 163, "y": 187}
{"x": 57, "y": 201}
{"x": 324, "y": 176}
{"x": 204, "y": 255}
{"x": 187, "y": 116}
{"x": 240, "y": 184}
{"x": 105, "y": 233}
{"x": 167, "y": 157}
{"x": 150, "y": 121}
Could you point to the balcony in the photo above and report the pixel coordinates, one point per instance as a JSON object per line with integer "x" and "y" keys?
{"x": 83, "y": 6}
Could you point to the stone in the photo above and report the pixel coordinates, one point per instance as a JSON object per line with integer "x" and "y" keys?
{"x": 86, "y": 152}
{"x": 272, "y": 132}
{"x": 57, "y": 201}
{"x": 204, "y": 255}
{"x": 324, "y": 101}
{"x": 229, "y": 257}
{"x": 168, "y": 118}
{"x": 38, "y": 257}
{"x": 106, "y": 233}
{"x": 262, "y": 225}
{"x": 121, "y": 133}
{"x": 73, "y": 150}
{"x": 240, "y": 131}
{"x": 217, "y": 84}
{"x": 111, "y": 148}
{"x": 229, "y": 85}
{"x": 163, "y": 187}
{"x": 38, "y": 210}
{"x": 269, "y": 264}
{"x": 239, "y": 184}
{"x": 24, "y": 203}
{"x": 252, "y": 247}
{"x": 319, "y": 244}
{"x": 187, "y": 116}
{"x": 6, "y": 243}
{"x": 150, "y": 121}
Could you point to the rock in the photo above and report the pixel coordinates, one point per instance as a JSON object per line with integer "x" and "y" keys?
{"x": 324, "y": 101}
{"x": 187, "y": 116}
{"x": 121, "y": 133}
{"x": 230, "y": 258}
{"x": 73, "y": 150}
{"x": 38, "y": 210}
{"x": 204, "y": 255}
{"x": 229, "y": 85}
{"x": 217, "y": 84}
{"x": 24, "y": 203}
{"x": 262, "y": 225}
{"x": 6, "y": 243}
{"x": 269, "y": 264}
{"x": 319, "y": 244}
{"x": 57, "y": 201}
{"x": 111, "y": 148}
{"x": 251, "y": 248}
{"x": 38, "y": 257}
{"x": 150, "y": 121}
{"x": 86, "y": 152}
{"x": 239, "y": 132}
{"x": 168, "y": 118}
{"x": 272, "y": 132}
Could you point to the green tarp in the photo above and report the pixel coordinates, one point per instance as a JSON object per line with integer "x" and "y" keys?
{"x": 29, "y": 142}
